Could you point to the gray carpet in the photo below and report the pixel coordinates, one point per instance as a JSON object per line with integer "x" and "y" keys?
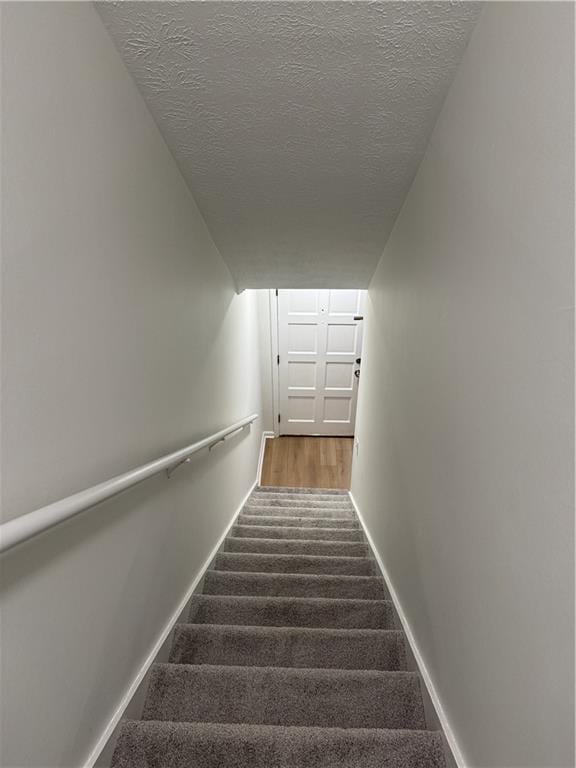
{"x": 297, "y": 547}
{"x": 290, "y": 511}
{"x": 300, "y": 530}
{"x": 317, "y": 502}
{"x": 295, "y": 520}
{"x": 290, "y": 657}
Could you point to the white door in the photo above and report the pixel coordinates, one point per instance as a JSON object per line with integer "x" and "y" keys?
{"x": 319, "y": 343}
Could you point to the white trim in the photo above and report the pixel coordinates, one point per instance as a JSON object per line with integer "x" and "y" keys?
{"x": 266, "y": 435}
{"x": 141, "y": 674}
{"x": 274, "y": 352}
{"x": 421, "y": 664}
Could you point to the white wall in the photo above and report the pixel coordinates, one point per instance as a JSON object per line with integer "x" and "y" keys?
{"x": 122, "y": 339}
{"x": 465, "y": 420}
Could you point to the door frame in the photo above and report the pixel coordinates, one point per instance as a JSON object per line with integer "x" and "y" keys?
{"x": 275, "y": 346}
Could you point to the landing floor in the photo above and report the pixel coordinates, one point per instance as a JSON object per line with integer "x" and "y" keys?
{"x": 308, "y": 462}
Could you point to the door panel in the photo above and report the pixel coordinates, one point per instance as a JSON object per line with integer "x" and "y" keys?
{"x": 302, "y": 339}
{"x": 319, "y": 341}
{"x": 339, "y": 376}
{"x": 341, "y": 339}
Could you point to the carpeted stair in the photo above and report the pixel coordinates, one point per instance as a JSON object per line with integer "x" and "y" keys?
{"x": 290, "y": 659}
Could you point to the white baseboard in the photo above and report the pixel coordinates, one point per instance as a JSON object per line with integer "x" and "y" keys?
{"x": 118, "y": 716}
{"x": 266, "y": 435}
{"x": 434, "y": 699}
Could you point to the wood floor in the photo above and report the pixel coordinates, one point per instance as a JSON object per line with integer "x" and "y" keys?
{"x": 308, "y": 462}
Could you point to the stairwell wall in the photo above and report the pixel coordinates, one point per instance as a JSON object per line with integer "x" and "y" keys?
{"x": 464, "y": 474}
{"x": 122, "y": 339}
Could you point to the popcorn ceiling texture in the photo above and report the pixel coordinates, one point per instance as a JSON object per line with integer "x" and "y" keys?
{"x": 298, "y": 126}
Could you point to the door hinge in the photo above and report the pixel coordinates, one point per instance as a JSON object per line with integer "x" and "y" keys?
{"x": 276, "y": 291}
{"x": 278, "y": 418}
{"x": 277, "y": 359}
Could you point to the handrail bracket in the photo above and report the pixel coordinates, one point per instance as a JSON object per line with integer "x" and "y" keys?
{"x": 170, "y": 471}
{"x": 27, "y": 526}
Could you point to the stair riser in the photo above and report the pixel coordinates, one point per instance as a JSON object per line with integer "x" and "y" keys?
{"x": 295, "y": 547}
{"x": 297, "y": 521}
{"x": 289, "y": 532}
{"x": 353, "y": 566}
{"x": 282, "y": 647}
{"x": 292, "y": 612}
{"x": 325, "y": 698}
{"x": 278, "y": 585}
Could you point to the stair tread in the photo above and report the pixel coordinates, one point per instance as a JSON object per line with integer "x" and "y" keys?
{"x": 288, "y": 510}
{"x": 285, "y": 696}
{"x": 294, "y": 584}
{"x": 294, "y": 489}
{"x": 297, "y": 546}
{"x": 229, "y": 745}
{"x": 297, "y": 521}
{"x": 312, "y": 500}
{"x": 286, "y": 563}
{"x": 288, "y": 647}
{"x": 328, "y": 633}
{"x": 332, "y": 506}
{"x": 303, "y": 611}
{"x": 297, "y": 532}
{"x": 279, "y": 499}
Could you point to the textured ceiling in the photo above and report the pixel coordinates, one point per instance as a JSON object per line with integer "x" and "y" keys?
{"x": 298, "y": 126}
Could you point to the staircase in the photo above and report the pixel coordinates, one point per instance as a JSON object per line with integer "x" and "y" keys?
{"x": 290, "y": 658}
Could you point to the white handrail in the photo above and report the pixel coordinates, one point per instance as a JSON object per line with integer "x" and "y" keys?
{"x": 31, "y": 524}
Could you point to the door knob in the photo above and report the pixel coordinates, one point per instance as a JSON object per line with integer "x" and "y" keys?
{"x": 358, "y": 360}
{"x": 357, "y": 373}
